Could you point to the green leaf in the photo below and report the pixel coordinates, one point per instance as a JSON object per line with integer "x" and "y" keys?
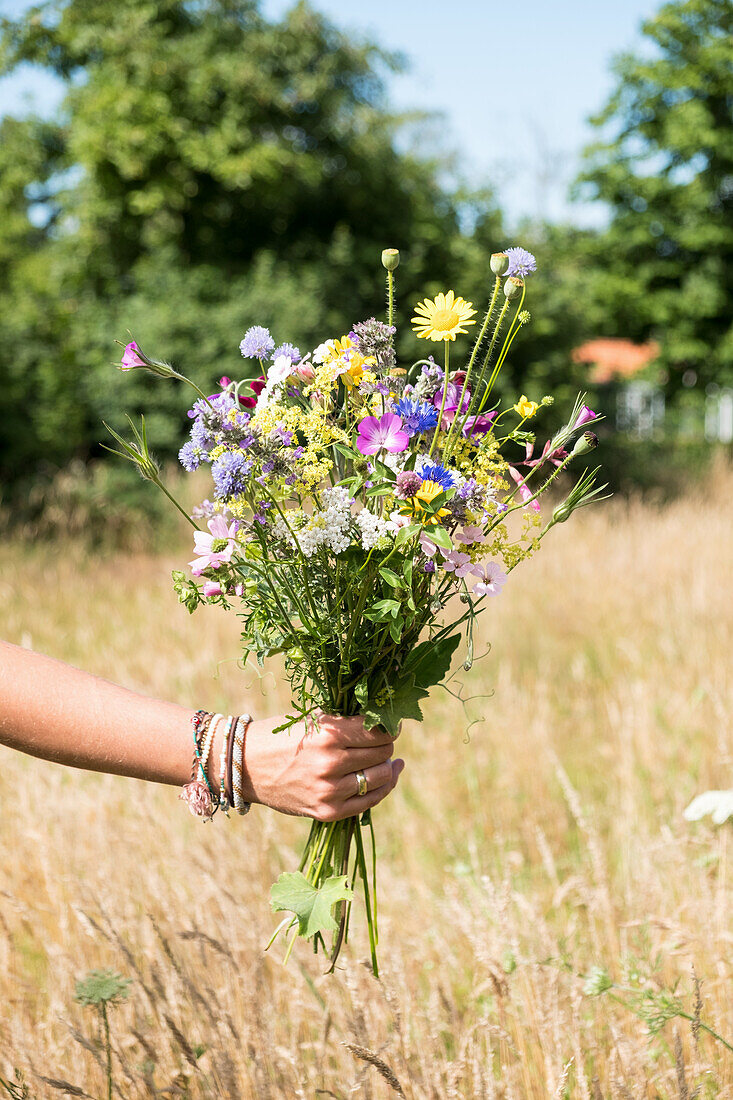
{"x": 407, "y": 570}
{"x": 401, "y": 701}
{"x": 406, "y": 533}
{"x": 429, "y": 662}
{"x": 390, "y": 577}
{"x": 396, "y": 627}
{"x": 440, "y": 537}
{"x": 313, "y": 906}
{"x": 361, "y": 691}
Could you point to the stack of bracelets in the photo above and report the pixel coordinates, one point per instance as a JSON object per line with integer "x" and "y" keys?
{"x": 198, "y": 793}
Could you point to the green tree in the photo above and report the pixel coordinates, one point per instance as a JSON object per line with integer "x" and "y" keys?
{"x": 665, "y": 266}
{"x": 208, "y": 169}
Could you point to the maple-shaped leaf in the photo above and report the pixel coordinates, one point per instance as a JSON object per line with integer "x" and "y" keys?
{"x": 313, "y": 906}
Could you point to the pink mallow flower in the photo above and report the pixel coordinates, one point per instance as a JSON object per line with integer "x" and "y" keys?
{"x": 492, "y": 579}
{"x": 585, "y": 414}
{"x": 383, "y": 434}
{"x": 428, "y": 547}
{"x": 212, "y": 588}
{"x": 130, "y": 358}
{"x": 458, "y": 563}
{"x": 468, "y": 535}
{"x": 215, "y": 548}
{"x": 524, "y": 493}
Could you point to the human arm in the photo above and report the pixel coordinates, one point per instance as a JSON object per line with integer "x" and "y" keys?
{"x": 51, "y": 710}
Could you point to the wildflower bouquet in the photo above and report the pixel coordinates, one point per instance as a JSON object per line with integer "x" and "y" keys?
{"x": 362, "y": 517}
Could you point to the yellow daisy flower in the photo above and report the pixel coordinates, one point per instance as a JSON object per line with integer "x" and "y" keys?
{"x": 443, "y": 317}
{"x": 415, "y": 506}
{"x": 525, "y": 407}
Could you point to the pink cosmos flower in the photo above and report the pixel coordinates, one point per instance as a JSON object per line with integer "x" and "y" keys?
{"x": 524, "y": 492}
{"x": 585, "y": 414}
{"x": 213, "y": 549}
{"x": 491, "y": 580}
{"x": 458, "y": 563}
{"x": 130, "y": 357}
{"x": 383, "y": 434}
{"x": 212, "y": 588}
{"x": 469, "y": 535}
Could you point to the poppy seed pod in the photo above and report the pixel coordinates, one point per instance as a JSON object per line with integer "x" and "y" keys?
{"x": 584, "y": 443}
{"x": 513, "y": 287}
{"x": 390, "y": 259}
{"x": 499, "y": 262}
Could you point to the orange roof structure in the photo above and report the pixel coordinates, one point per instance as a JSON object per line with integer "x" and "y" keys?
{"x": 613, "y": 358}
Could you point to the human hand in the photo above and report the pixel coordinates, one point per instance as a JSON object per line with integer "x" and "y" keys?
{"x": 312, "y": 772}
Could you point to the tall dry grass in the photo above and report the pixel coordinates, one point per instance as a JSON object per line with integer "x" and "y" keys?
{"x": 518, "y": 852}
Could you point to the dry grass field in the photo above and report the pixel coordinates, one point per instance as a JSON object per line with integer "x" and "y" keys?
{"x": 517, "y": 854}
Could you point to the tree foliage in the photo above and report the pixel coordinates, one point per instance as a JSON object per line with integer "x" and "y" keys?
{"x": 208, "y": 169}
{"x": 665, "y": 167}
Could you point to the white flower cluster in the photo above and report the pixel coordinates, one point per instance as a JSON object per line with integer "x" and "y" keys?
{"x": 281, "y": 531}
{"x": 277, "y": 375}
{"x": 373, "y": 528}
{"x": 331, "y": 527}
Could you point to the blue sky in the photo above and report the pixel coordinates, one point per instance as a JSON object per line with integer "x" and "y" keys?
{"x": 514, "y": 82}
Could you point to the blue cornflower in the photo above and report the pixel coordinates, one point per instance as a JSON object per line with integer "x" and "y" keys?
{"x": 433, "y": 471}
{"x": 290, "y": 350}
{"x": 417, "y": 416}
{"x": 189, "y": 456}
{"x": 257, "y": 343}
{"x": 230, "y": 473}
{"x": 521, "y": 262}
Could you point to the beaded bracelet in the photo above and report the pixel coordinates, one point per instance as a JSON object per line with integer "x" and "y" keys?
{"x": 242, "y": 726}
{"x": 197, "y": 793}
{"x": 224, "y": 803}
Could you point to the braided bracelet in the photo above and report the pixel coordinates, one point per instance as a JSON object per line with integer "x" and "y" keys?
{"x": 241, "y": 728}
{"x": 197, "y": 793}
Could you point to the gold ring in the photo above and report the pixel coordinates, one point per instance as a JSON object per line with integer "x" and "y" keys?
{"x": 361, "y": 782}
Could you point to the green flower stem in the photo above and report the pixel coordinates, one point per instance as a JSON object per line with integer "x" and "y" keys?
{"x": 469, "y": 368}
{"x": 390, "y": 297}
{"x": 182, "y": 378}
{"x": 107, "y": 1047}
{"x": 510, "y": 338}
{"x": 367, "y": 901}
{"x": 442, "y": 404}
{"x": 174, "y": 502}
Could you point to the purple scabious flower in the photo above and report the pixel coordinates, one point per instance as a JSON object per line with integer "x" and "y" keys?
{"x": 433, "y": 471}
{"x": 257, "y": 343}
{"x": 230, "y": 473}
{"x": 189, "y": 456}
{"x": 521, "y": 262}
{"x": 290, "y": 350}
{"x": 417, "y": 416}
{"x": 201, "y": 437}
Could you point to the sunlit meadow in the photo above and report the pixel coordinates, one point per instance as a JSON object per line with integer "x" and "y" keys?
{"x": 518, "y": 854}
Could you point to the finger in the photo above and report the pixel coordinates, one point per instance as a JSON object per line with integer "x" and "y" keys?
{"x": 360, "y": 803}
{"x": 356, "y": 760}
{"x": 376, "y": 776}
{"x": 350, "y": 732}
